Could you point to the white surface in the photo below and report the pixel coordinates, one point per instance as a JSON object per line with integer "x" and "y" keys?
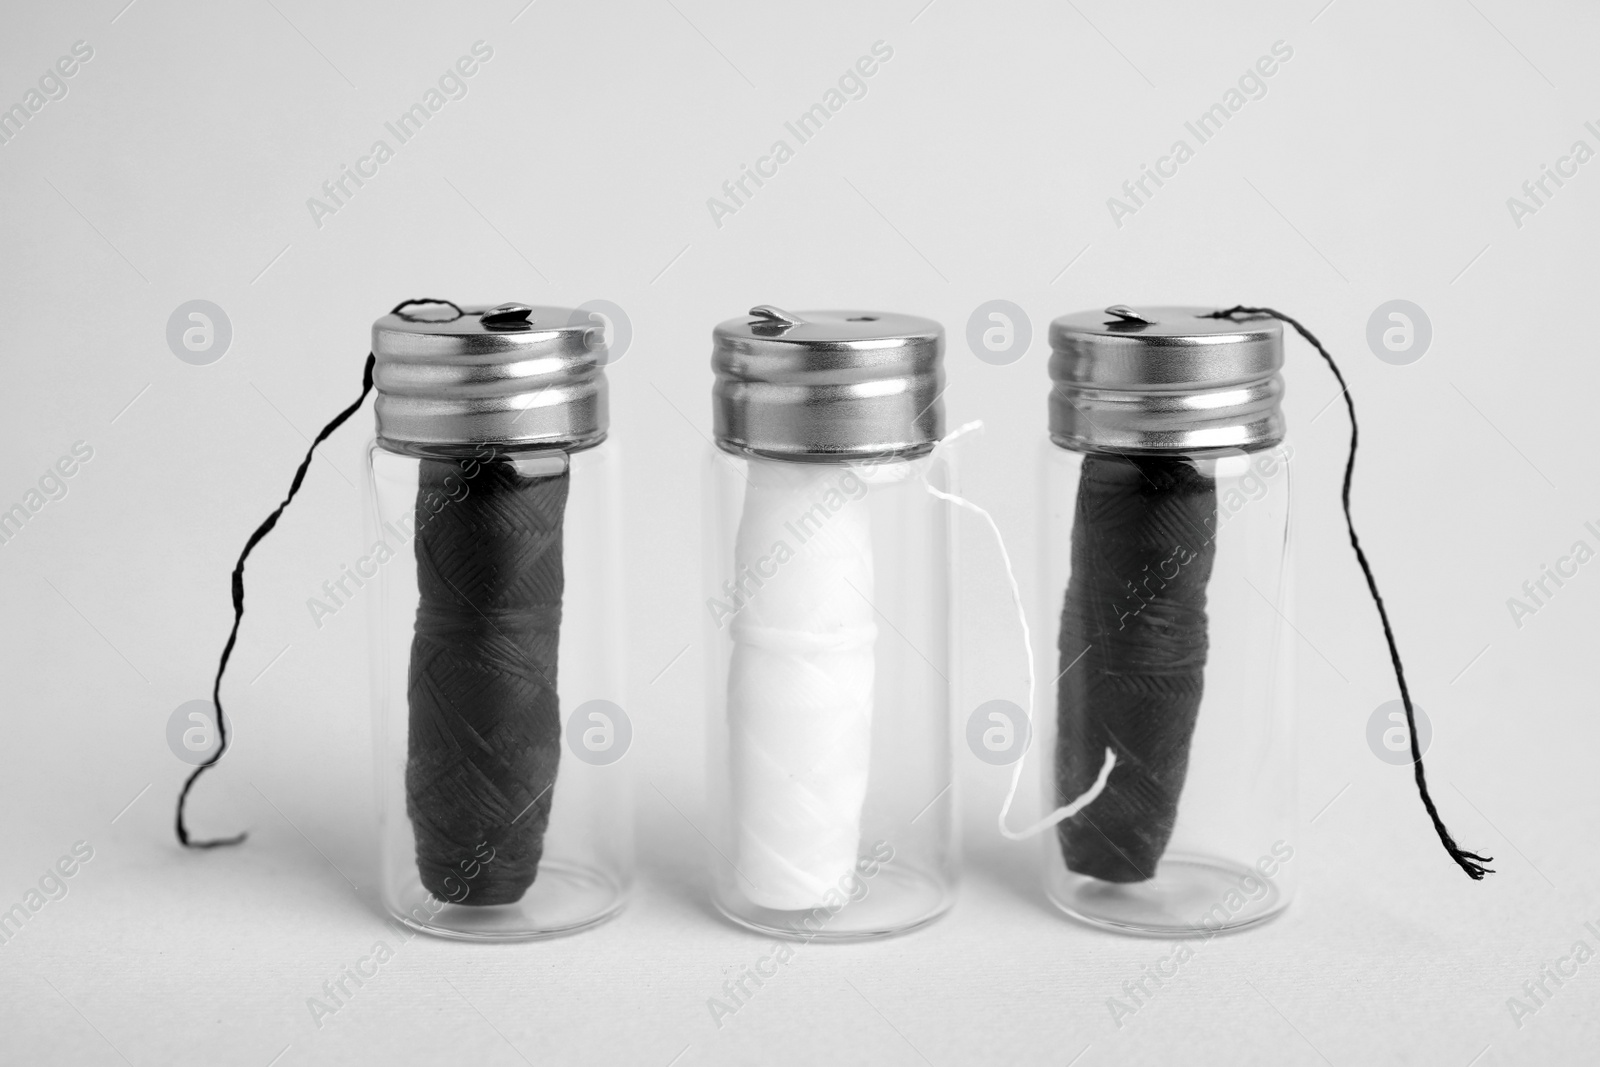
{"x": 977, "y": 166}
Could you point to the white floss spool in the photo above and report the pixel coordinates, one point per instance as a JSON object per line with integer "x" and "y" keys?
{"x": 823, "y": 416}
{"x": 800, "y": 685}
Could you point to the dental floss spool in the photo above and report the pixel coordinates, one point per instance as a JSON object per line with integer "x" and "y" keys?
{"x": 800, "y": 690}
{"x": 1137, "y": 391}
{"x": 484, "y": 742}
{"x": 808, "y": 397}
{"x": 485, "y": 731}
{"x": 1138, "y": 681}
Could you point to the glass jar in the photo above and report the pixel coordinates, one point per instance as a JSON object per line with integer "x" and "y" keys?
{"x": 493, "y": 528}
{"x": 1167, "y": 590}
{"x": 828, "y": 609}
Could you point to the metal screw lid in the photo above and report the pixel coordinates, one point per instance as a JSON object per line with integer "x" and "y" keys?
{"x": 1164, "y": 379}
{"x": 820, "y": 385}
{"x": 513, "y": 375}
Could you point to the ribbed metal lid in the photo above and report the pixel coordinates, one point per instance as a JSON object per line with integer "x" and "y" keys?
{"x": 513, "y": 375}
{"x": 1164, "y": 379}
{"x": 819, "y": 385}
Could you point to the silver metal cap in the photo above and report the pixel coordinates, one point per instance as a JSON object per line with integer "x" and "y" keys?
{"x": 513, "y": 375}
{"x": 1164, "y": 379}
{"x": 820, "y": 385}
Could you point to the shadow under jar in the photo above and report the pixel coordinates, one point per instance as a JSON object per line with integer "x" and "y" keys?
{"x": 1167, "y": 583}
{"x": 492, "y": 533}
{"x": 828, "y": 587}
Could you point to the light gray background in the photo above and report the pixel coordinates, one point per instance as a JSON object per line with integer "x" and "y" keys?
{"x": 978, "y": 166}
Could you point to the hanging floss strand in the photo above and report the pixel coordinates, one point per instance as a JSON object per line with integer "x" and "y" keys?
{"x": 1137, "y": 691}
{"x": 1068, "y": 808}
{"x": 261, "y": 531}
{"x": 1470, "y": 862}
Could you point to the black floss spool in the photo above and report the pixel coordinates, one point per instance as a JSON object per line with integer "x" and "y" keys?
{"x": 1156, "y": 402}
{"x": 483, "y": 410}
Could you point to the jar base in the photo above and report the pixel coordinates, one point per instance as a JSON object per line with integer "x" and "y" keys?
{"x": 1190, "y": 896}
{"x": 897, "y": 901}
{"x": 564, "y": 899}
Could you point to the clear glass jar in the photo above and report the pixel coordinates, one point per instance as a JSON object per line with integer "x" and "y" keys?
{"x": 1167, "y": 721}
{"x": 493, "y": 525}
{"x": 1172, "y": 646}
{"x": 481, "y": 767}
{"x": 828, "y": 609}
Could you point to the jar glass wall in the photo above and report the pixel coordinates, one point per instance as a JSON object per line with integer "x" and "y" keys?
{"x": 828, "y": 608}
{"x": 497, "y": 662}
{"x": 1167, "y": 597}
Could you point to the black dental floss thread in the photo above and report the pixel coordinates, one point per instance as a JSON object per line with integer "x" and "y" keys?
{"x": 1470, "y": 862}
{"x": 238, "y": 593}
